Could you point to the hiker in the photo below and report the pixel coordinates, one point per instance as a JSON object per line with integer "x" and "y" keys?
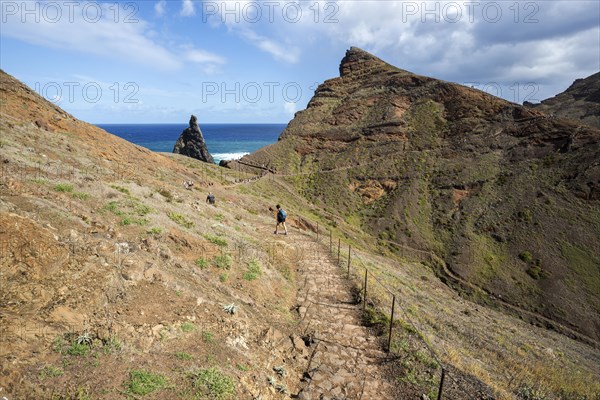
{"x": 210, "y": 199}
{"x": 281, "y": 216}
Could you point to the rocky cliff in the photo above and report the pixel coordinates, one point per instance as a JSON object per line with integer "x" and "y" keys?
{"x": 191, "y": 143}
{"x": 581, "y": 102}
{"x": 506, "y": 195}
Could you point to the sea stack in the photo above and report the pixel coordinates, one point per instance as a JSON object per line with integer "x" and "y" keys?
{"x": 191, "y": 143}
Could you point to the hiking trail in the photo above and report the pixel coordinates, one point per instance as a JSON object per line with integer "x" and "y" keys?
{"x": 346, "y": 360}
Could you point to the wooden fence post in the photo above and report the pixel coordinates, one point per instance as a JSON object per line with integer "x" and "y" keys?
{"x": 349, "y": 253}
{"x": 389, "y": 345}
{"x": 365, "y": 296}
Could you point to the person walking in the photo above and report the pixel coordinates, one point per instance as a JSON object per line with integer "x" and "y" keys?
{"x": 281, "y": 217}
{"x": 210, "y": 199}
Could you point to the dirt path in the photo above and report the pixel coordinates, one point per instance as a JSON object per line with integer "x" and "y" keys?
{"x": 346, "y": 361}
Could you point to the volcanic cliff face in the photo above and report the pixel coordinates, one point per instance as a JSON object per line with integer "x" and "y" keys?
{"x": 191, "y": 143}
{"x": 581, "y": 101}
{"x": 506, "y": 195}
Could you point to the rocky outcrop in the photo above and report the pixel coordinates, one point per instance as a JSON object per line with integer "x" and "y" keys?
{"x": 191, "y": 143}
{"x": 433, "y": 165}
{"x": 581, "y": 102}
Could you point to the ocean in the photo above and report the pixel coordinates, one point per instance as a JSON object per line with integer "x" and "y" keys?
{"x": 224, "y": 141}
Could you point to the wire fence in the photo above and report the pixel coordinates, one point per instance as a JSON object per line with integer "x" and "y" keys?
{"x": 382, "y": 305}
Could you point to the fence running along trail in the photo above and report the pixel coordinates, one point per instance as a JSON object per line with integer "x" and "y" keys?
{"x": 378, "y": 296}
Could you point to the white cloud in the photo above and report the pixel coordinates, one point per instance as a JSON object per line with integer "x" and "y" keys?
{"x": 289, "y": 108}
{"x": 203, "y": 57}
{"x": 115, "y": 39}
{"x": 187, "y": 8}
{"x": 160, "y": 8}
{"x": 281, "y": 52}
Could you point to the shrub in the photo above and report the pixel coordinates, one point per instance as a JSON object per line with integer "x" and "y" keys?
{"x": 180, "y": 220}
{"x": 215, "y": 240}
{"x": 80, "y": 195}
{"x": 187, "y": 327}
{"x": 536, "y": 272}
{"x": 120, "y": 189}
{"x": 213, "y": 384}
{"x": 64, "y": 187}
{"x": 254, "y": 270}
{"x": 527, "y": 392}
{"x": 142, "y": 382}
{"x": 223, "y": 261}
{"x": 183, "y": 356}
{"x": 77, "y": 349}
{"x": 208, "y": 337}
{"x": 50, "y": 371}
{"x": 202, "y": 263}
{"x": 526, "y": 256}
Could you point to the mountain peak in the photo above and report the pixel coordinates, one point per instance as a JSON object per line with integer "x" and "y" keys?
{"x": 357, "y": 61}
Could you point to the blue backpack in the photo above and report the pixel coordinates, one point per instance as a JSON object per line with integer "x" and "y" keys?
{"x": 281, "y": 214}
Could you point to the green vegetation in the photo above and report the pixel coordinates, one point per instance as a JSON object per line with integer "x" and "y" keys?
{"x": 121, "y": 189}
{"x": 536, "y": 272}
{"x": 188, "y": 327}
{"x": 80, "y": 195}
{"x": 242, "y": 367}
{"x": 154, "y": 231}
{"x": 183, "y": 356}
{"x": 213, "y": 384}
{"x": 527, "y": 392}
{"x": 220, "y": 217}
{"x": 131, "y": 211}
{"x": 584, "y": 263}
{"x": 222, "y": 261}
{"x": 50, "y": 371}
{"x": 526, "y": 256}
{"x": 208, "y": 337}
{"x": 219, "y": 241}
{"x": 254, "y": 270}
{"x": 142, "y": 382}
{"x": 201, "y": 263}
{"x": 64, "y": 187}
{"x": 223, "y": 277}
{"x": 77, "y": 349}
{"x": 180, "y": 220}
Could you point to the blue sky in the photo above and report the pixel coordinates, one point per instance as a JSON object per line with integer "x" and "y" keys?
{"x": 248, "y": 61}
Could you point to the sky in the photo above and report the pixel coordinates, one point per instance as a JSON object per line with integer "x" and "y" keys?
{"x": 261, "y": 61}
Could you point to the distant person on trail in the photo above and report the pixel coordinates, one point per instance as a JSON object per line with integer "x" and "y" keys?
{"x": 281, "y": 216}
{"x": 210, "y": 199}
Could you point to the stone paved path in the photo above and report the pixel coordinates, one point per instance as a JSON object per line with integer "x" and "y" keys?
{"x": 346, "y": 360}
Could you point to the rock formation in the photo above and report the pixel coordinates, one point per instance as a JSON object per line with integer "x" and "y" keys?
{"x": 191, "y": 143}
{"x": 581, "y": 101}
{"x": 489, "y": 186}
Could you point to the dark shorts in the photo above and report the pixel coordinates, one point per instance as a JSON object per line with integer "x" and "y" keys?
{"x": 280, "y": 220}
